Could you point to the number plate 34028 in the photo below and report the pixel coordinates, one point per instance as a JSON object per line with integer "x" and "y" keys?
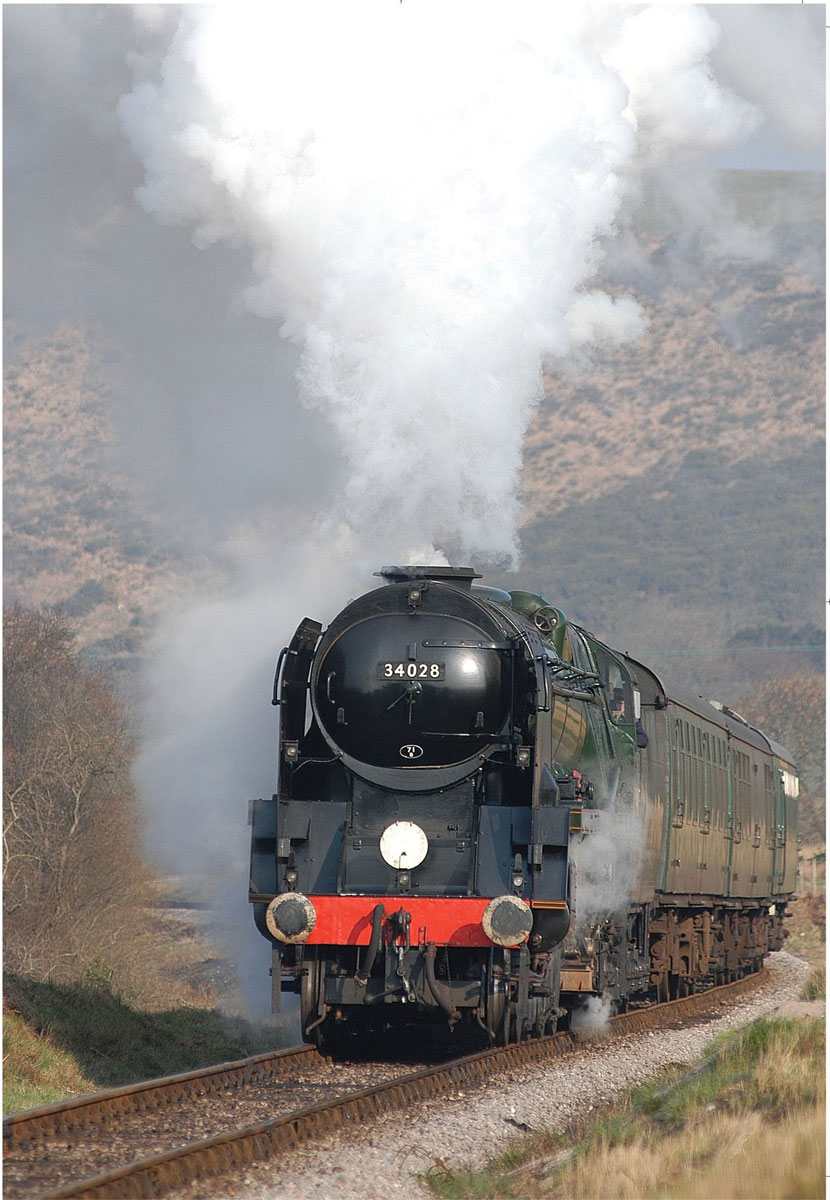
{"x": 410, "y": 670}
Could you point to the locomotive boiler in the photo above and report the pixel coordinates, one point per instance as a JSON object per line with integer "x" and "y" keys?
{"x": 484, "y": 814}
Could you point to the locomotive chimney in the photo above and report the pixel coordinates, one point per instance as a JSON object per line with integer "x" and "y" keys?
{"x": 460, "y": 577}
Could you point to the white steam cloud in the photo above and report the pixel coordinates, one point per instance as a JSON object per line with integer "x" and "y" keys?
{"x": 789, "y": 84}
{"x": 608, "y": 859}
{"x": 424, "y": 194}
{"x": 423, "y": 191}
{"x": 592, "y": 1016}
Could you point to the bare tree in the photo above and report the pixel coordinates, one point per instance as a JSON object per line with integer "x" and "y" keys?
{"x": 73, "y": 880}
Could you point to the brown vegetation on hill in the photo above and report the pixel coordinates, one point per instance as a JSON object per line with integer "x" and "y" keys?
{"x": 74, "y": 536}
{"x": 792, "y": 711}
{"x": 732, "y": 362}
{"x": 674, "y": 489}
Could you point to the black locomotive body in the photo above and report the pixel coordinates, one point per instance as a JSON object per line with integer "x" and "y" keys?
{"x": 485, "y": 814}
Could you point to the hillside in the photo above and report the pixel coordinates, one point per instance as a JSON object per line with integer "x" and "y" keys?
{"x": 73, "y": 534}
{"x": 673, "y": 491}
{"x": 792, "y": 711}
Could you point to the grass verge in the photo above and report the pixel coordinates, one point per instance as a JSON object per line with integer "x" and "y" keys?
{"x": 35, "y": 1072}
{"x": 806, "y": 928}
{"x": 747, "y": 1123}
{"x": 815, "y": 987}
{"x": 63, "y": 1040}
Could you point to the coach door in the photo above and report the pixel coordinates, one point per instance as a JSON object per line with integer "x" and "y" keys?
{"x": 683, "y": 866}
{"x": 773, "y": 804}
{"x": 786, "y": 824}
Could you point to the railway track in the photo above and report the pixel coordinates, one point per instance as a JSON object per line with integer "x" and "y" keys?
{"x": 126, "y": 1132}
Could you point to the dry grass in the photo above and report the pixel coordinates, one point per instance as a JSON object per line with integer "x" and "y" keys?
{"x": 746, "y": 1124}
{"x": 748, "y": 1127}
{"x": 816, "y": 986}
{"x": 805, "y": 927}
{"x": 740, "y": 1157}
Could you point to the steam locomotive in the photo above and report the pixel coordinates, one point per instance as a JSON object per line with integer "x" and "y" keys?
{"x": 486, "y": 815}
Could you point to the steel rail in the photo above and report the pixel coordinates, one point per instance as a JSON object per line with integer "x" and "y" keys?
{"x": 213, "y": 1156}
{"x": 83, "y": 1112}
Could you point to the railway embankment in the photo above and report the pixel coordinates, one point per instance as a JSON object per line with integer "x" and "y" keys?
{"x": 448, "y": 1147}
{"x": 64, "y": 1040}
{"x": 519, "y": 1134}
{"x": 745, "y": 1120}
{"x": 120, "y": 1135}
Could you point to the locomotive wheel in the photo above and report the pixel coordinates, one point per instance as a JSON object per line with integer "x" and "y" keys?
{"x": 494, "y": 1011}
{"x": 332, "y": 1038}
{"x": 504, "y": 1028}
{"x": 677, "y": 987}
{"x": 494, "y": 1001}
{"x": 544, "y": 1020}
{"x": 310, "y": 996}
{"x": 510, "y": 1028}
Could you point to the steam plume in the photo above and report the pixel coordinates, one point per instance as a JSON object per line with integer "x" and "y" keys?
{"x": 423, "y": 194}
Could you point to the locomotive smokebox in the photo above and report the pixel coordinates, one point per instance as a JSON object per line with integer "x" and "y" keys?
{"x": 412, "y": 686}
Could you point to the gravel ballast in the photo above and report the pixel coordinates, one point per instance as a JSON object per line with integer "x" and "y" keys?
{"x": 468, "y": 1128}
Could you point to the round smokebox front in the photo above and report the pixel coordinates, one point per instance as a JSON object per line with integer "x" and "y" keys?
{"x": 393, "y": 691}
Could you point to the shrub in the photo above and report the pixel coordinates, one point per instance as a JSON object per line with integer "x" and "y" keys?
{"x": 73, "y": 878}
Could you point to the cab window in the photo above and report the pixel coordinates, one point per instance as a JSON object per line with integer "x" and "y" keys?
{"x": 617, "y": 688}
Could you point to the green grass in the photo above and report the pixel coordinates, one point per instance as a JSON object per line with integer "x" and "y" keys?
{"x": 35, "y": 1072}
{"x": 680, "y": 1126}
{"x": 62, "y": 1040}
